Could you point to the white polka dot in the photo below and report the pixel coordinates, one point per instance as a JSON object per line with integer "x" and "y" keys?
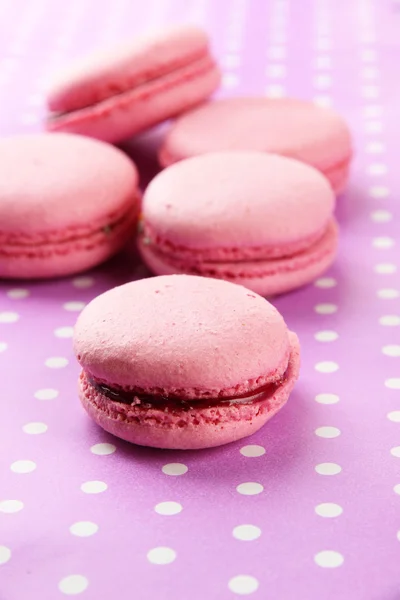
{"x": 277, "y": 71}
{"x": 11, "y": 506}
{"x": 328, "y": 510}
{"x": 327, "y": 398}
{"x": 385, "y": 269}
{"x": 275, "y": 90}
{"x": 328, "y": 469}
{"x": 381, "y": 216}
{"x": 18, "y": 293}
{"x": 35, "y": 428}
{"x": 252, "y": 451}
{"x": 368, "y": 55}
{"x": 230, "y": 80}
{"x": 5, "y": 554}
{"x": 326, "y": 282}
{"x": 84, "y": 528}
{"x": 81, "y": 283}
{"x": 3, "y": 346}
{"x": 383, "y": 243}
{"x": 323, "y": 100}
{"x": 323, "y": 62}
{"x": 394, "y": 416}
{"x": 73, "y": 584}
{"x": 325, "y": 309}
{"x": 390, "y": 320}
{"x": 23, "y": 466}
{"x": 329, "y": 559}
{"x": 392, "y": 350}
{"x": 74, "y": 306}
{"x": 379, "y": 191}
{"x": 243, "y": 585}
{"x": 396, "y": 489}
{"x": 94, "y": 487}
{"x": 56, "y": 362}
{"x": 277, "y": 52}
{"x": 370, "y": 91}
{"x": 326, "y": 336}
{"x": 373, "y": 127}
{"x": 388, "y": 294}
{"x": 103, "y": 449}
{"x": 246, "y": 533}
{"x": 377, "y": 169}
{"x": 375, "y": 148}
{"x": 249, "y": 488}
{"x": 372, "y": 111}
{"x": 46, "y": 394}
{"x": 161, "y": 555}
{"x": 8, "y": 317}
{"x": 322, "y": 81}
{"x": 323, "y": 44}
{"x": 327, "y": 366}
{"x": 395, "y": 451}
{"x": 393, "y": 383}
{"x": 174, "y": 469}
{"x": 327, "y": 432}
{"x": 64, "y": 332}
{"x": 369, "y": 73}
{"x": 232, "y": 61}
{"x": 168, "y": 508}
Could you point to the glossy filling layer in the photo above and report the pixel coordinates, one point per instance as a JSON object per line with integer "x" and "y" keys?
{"x": 171, "y": 403}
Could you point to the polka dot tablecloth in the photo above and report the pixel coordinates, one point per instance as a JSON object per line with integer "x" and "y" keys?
{"x": 307, "y": 508}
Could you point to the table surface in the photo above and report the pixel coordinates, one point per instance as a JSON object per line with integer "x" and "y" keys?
{"x": 308, "y": 507}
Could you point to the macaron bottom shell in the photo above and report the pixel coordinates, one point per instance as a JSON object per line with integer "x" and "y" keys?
{"x": 190, "y": 429}
{"x": 267, "y": 278}
{"x": 67, "y": 257}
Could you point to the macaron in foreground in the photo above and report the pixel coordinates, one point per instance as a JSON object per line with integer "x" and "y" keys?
{"x": 183, "y": 362}
{"x": 67, "y": 203}
{"x": 263, "y": 221}
{"x": 286, "y": 126}
{"x": 114, "y": 95}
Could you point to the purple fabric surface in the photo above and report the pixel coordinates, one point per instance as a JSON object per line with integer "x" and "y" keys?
{"x": 324, "y": 498}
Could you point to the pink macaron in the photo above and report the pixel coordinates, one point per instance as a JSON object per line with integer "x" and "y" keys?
{"x": 183, "y": 362}
{"x": 286, "y": 126}
{"x": 114, "y": 95}
{"x": 260, "y": 220}
{"x": 67, "y": 203}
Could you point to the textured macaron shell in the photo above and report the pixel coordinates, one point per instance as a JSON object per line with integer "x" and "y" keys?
{"x": 52, "y": 183}
{"x": 184, "y": 335}
{"x": 106, "y": 74}
{"x": 290, "y": 127}
{"x": 190, "y": 429}
{"x": 237, "y": 205}
{"x": 67, "y": 204}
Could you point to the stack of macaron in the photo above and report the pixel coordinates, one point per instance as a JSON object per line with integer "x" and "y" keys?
{"x": 246, "y": 195}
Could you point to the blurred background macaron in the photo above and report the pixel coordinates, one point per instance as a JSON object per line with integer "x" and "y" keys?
{"x": 67, "y": 203}
{"x": 112, "y": 95}
{"x": 290, "y": 127}
{"x": 261, "y": 220}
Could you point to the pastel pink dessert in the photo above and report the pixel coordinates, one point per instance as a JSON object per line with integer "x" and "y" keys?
{"x": 183, "y": 362}
{"x": 114, "y": 95}
{"x": 286, "y": 126}
{"x": 263, "y": 221}
{"x": 67, "y": 203}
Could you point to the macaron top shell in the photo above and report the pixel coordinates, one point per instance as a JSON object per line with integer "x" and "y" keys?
{"x": 286, "y": 126}
{"x": 182, "y": 335}
{"x": 53, "y": 182}
{"x": 247, "y": 200}
{"x": 104, "y": 74}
